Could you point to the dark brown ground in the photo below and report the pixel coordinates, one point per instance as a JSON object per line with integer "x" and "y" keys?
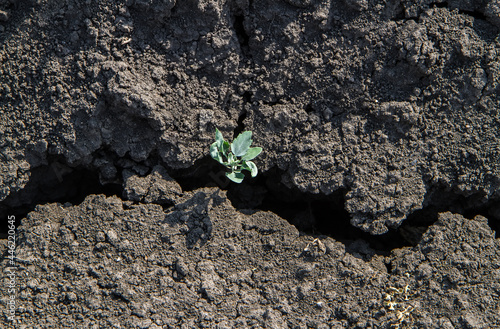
{"x": 372, "y": 112}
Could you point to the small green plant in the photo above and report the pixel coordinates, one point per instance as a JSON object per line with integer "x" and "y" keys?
{"x": 235, "y": 156}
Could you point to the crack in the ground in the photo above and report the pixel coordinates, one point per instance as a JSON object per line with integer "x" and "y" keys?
{"x": 241, "y": 126}
{"x": 242, "y": 35}
{"x": 312, "y": 214}
{"x": 56, "y": 182}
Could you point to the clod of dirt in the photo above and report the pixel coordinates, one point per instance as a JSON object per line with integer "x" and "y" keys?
{"x": 157, "y": 187}
{"x": 457, "y": 259}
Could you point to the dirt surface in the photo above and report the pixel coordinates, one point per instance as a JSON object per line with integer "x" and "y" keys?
{"x": 202, "y": 264}
{"x": 372, "y": 112}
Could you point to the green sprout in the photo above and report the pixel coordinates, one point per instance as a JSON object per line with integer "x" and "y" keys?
{"x": 235, "y": 156}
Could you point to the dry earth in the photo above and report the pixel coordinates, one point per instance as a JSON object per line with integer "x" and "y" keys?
{"x": 374, "y": 117}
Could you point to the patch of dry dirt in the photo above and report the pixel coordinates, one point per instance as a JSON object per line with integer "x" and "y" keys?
{"x": 375, "y": 112}
{"x": 203, "y": 264}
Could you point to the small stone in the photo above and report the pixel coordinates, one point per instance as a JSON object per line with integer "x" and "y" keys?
{"x": 100, "y": 237}
{"x": 112, "y": 236}
{"x": 144, "y": 324}
{"x": 472, "y": 321}
{"x": 33, "y": 284}
{"x": 71, "y": 296}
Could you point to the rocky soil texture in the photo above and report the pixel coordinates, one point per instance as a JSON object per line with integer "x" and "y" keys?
{"x": 374, "y": 117}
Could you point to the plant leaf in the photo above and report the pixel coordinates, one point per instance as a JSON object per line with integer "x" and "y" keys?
{"x": 252, "y": 168}
{"x": 219, "y": 139}
{"x": 236, "y": 177}
{"x": 214, "y": 152}
{"x": 231, "y": 159}
{"x": 242, "y": 143}
{"x": 252, "y": 153}
{"x": 225, "y": 148}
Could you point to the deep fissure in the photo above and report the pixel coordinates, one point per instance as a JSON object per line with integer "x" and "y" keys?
{"x": 241, "y": 33}
{"x": 56, "y": 182}
{"x": 312, "y": 214}
{"x": 240, "y": 125}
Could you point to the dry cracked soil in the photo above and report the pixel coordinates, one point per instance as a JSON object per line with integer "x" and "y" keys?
{"x": 378, "y": 195}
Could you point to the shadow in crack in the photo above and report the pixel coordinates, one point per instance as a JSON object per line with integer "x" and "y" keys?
{"x": 312, "y": 214}
{"x": 54, "y": 183}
